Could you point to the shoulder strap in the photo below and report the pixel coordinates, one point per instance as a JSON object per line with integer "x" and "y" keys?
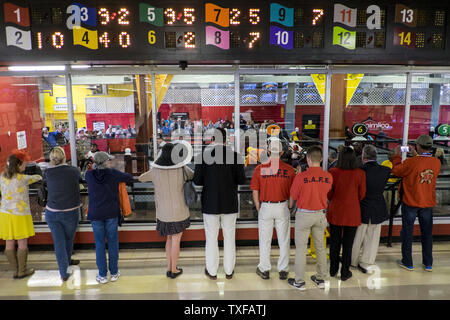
{"x": 184, "y": 174}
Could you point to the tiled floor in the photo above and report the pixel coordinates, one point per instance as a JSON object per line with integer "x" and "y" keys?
{"x": 143, "y": 277}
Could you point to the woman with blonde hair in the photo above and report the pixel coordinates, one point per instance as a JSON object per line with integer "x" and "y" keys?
{"x": 63, "y": 207}
{"x": 16, "y": 223}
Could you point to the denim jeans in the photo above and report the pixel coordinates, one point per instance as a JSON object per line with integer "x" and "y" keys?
{"x": 426, "y": 231}
{"x": 106, "y": 229}
{"x": 63, "y": 226}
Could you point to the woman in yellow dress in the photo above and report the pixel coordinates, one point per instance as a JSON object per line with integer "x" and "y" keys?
{"x": 16, "y": 222}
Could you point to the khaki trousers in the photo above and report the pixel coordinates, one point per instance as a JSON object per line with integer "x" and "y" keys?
{"x": 368, "y": 238}
{"x": 306, "y": 223}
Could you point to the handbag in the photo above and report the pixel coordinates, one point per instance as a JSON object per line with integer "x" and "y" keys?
{"x": 42, "y": 194}
{"x": 190, "y": 195}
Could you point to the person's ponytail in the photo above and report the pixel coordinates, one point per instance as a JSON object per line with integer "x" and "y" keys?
{"x": 12, "y": 167}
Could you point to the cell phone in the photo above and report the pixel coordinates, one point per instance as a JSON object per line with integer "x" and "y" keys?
{"x": 404, "y": 148}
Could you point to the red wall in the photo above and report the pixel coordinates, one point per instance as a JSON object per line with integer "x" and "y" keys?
{"x": 444, "y": 114}
{"x": 122, "y": 119}
{"x": 19, "y": 111}
{"x": 393, "y": 116}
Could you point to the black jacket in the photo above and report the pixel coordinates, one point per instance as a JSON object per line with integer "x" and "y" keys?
{"x": 219, "y": 180}
{"x": 373, "y": 206}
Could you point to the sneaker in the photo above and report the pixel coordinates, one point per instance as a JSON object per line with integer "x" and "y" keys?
{"x": 320, "y": 283}
{"x": 297, "y": 285}
{"x": 115, "y": 277}
{"x": 283, "y": 275}
{"x": 264, "y": 275}
{"x": 101, "y": 279}
{"x": 230, "y": 276}
{"x": 401, "y": 265}
{"x": 428, "y": 268}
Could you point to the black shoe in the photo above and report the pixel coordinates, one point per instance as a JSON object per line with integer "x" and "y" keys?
{"x": 264, "y": 275}
{"x": 210, "y": 276}
{"x": 333, "y": 273}
{"x": 74, "y": 262}
{"x": 347, "y": 276}
{"x": 230, "y": 276}
{"x": 169, "y": 273}
{"x": 283, "y": 275}
{"x": 174, "y": 275}
{"x": 363, "y": 270}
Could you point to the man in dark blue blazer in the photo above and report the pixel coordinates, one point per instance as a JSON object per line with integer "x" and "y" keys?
{"x": 373, "y": 211}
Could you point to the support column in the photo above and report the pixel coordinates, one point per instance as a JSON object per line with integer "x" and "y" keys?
{"x": 289, "y": 118}
{"x": 237, "y": 126}
{"x": 72, "y": 141}
{"x": 142, "y": 126}
{"x": 154, "y": 111}
{"x": 407, "y": 112}
{"x": 326, "y": 118}
{"x": 436, "y": 103}
{"x": 337, "y": 106}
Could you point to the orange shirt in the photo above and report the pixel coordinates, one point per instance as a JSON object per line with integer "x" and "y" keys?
{"x": 419, "y": 175}
{"x": 273, "y": 180}
{"x": 310, "y": 189}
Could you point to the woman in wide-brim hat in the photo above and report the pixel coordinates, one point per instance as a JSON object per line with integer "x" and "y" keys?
{"x": 16, "y": 223}
{"x": 168, "y": 174}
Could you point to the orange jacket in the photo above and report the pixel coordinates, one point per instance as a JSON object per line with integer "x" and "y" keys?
{"x": 124, "y": 200}
{"x": 419, "y": 175}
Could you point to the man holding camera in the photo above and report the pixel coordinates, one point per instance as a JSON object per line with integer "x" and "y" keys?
{"x": 418, "y": 195}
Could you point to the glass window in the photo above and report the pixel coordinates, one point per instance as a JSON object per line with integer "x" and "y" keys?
{"x": 288, "y": 106}
{"x": 24, "y": 123}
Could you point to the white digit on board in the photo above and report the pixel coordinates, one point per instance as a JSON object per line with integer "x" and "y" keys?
{"x": 74, "y": 20}
{"x": 374, "y": 21}
{"x": 18, "y": 14}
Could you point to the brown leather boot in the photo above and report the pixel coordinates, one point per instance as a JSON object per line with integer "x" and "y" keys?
{"x": 12, "y": 259}
{"x": 22, "y": 255}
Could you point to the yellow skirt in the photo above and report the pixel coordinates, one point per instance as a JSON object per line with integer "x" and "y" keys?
{"x": 14, "y": 227}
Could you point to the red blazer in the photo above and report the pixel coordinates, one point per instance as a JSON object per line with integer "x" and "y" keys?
{"x": 349, "y": 188}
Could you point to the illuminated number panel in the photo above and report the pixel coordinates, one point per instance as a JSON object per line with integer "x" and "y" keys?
{"x": 114, "y": 27}
{"x": 286, "y": 31}
{"x": 417, "y": 28}
{"x": 234, "y": 27}
{"x": 179, "y": 23}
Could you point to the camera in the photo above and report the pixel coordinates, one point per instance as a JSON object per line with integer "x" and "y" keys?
{"x": 404, "y": 148}
{"x": 183, "y": 65}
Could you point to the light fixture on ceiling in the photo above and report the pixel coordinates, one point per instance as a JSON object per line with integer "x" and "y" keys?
{"x": 36, "y": 68}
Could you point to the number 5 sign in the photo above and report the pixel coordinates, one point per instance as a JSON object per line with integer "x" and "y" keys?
{"x": 150, "y": 14}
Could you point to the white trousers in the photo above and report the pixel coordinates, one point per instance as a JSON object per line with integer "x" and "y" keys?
{"x": 270, "y": 214}
{"x": 368, "y": 238}
{"x": 212, "y": 224}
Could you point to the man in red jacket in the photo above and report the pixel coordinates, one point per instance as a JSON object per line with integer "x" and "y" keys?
{"x": 418, "y": 196}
